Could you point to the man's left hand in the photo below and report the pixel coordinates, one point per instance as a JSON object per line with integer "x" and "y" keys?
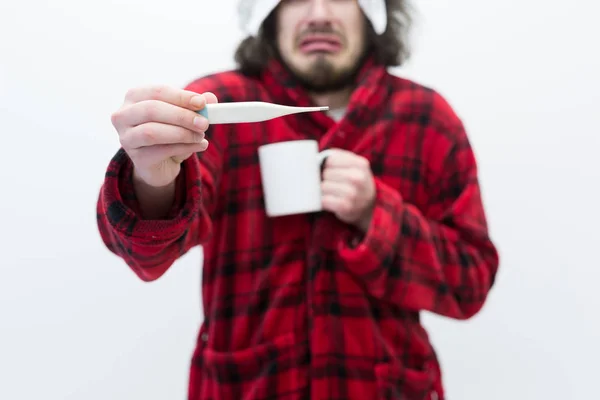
{"x": 348, "y": 188}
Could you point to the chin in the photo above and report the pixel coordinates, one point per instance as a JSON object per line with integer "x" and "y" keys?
{"x": 321, "y": 55}
{"x": 311, "y": 61}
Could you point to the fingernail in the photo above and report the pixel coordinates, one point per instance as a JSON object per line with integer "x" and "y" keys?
{"x": 198, "y": 101}
{"x": 204, "y": 144}
{"x": 201, "y": 122}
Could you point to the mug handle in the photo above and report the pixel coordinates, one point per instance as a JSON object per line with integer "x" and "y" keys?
{"x": 322, "y": 156}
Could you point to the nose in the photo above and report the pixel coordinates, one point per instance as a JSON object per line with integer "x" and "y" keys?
{"x": 319, "y": 14}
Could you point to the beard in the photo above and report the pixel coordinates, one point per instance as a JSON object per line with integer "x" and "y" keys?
{"x": 324, "y": 77}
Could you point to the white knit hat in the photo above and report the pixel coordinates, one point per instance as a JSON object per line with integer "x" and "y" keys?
{"x": 252, "y": 13}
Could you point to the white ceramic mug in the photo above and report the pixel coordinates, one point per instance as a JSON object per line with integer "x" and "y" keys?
{"x": 291, "y": 176}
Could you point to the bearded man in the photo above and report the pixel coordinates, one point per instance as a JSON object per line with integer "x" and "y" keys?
{"x": 319, "y": 305}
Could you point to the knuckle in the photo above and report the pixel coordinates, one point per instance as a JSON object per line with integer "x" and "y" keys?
{"x": 357, "y": 177}
{"x": 352, "y": 193}
{"x": 116, "y": 117}
{"x": 183, "y": 97}
{"x": 181, "y": 118}
{"x": 157, "y": 92}
{"x": 150, "y": 110}
{"x": 131, "y": 94}
{"x": 184, "y": 136}
{"x": 125, "y": 140}
{"x": 345, "y": 207}
{"x": 196, "y": 137}
{"x": 147, "y": 135}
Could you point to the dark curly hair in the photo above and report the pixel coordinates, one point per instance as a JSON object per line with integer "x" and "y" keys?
{"x": 389, "y": 49}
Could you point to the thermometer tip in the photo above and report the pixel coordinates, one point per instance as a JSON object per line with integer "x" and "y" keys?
{"x": 325, "y": 108}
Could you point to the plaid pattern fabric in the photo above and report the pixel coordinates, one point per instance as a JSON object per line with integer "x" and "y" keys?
{"x": 305, "y": 306}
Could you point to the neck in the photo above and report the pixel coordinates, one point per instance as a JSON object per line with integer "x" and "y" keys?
{"x": 337, "y": 99}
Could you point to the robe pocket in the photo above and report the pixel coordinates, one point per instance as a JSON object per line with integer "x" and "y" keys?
{"x": 275, "y": 370}
{"x": 395, "y": 382}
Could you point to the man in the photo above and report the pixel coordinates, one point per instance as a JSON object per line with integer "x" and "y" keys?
{"x": 323, "y": 305}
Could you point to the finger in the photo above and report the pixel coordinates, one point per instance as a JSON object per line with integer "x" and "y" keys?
{"x": 338, "y": 189}
{"x": 353, "y": 175}
{"x": 158, "y": 111}
{"x": 154, "y": 133}
{"x": 148, "y": 156}
{"x": 181, "y": 158}
{"x": 336, "y": 205}
{"x": 175, "y": 96}
{"x": 344, "y": 158}
{"x": 335, "y": 174}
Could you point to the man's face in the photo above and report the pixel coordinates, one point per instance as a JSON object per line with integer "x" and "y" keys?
{"x": 321, "y": 41}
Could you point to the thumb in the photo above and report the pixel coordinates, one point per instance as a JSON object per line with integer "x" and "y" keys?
{"x": 199, "y": 101}
{"x": 210, "y": 98}
{"x": 181, "y": 158}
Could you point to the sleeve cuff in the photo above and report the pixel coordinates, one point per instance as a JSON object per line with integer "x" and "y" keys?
{"x": 121, "y": 206}
{"x": 365, "y": 255}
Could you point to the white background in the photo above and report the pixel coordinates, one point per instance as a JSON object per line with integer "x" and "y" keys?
{"x": 77, "y": 324}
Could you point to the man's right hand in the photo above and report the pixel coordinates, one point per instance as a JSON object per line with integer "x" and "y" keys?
{"x": 159, "y": 129}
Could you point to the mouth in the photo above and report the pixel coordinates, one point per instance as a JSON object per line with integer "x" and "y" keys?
{"x": 320, "y": 44}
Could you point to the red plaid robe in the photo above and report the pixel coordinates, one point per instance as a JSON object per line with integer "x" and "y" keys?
{"x": 303, "y": 306}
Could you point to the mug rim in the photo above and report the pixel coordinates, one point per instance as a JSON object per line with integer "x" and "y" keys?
{"x": 274, "y": 144}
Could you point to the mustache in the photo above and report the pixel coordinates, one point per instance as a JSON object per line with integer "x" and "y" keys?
{"x": 320, "y": 30}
